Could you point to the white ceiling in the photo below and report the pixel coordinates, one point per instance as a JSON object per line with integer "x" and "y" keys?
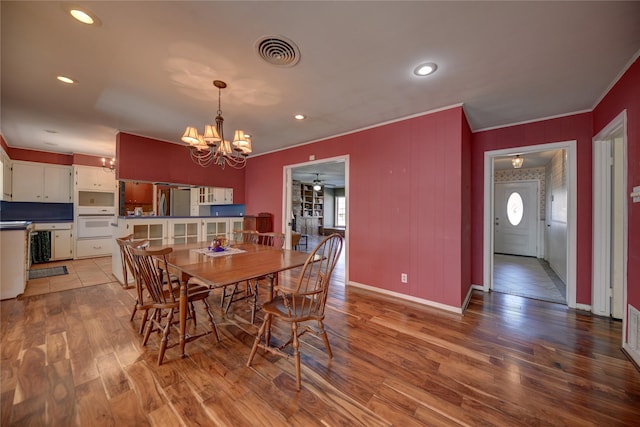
{"x": 148, "y": 69}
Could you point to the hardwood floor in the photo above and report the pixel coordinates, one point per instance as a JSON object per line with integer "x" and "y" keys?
{"x": 74, "y": 358}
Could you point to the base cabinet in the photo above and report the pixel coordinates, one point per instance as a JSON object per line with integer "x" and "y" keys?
{"x": 61, "y": 239}
{"x": 91, "y": 248}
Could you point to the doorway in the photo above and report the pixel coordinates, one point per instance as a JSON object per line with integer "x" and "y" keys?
{"x": 610, "y": 220}
{"x": 565, "y": 205}
{"x": 324, "y": 179}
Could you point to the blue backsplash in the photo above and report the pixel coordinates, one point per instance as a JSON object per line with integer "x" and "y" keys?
{"x": 37, "y": 212}
{"x": 227, "y": 210}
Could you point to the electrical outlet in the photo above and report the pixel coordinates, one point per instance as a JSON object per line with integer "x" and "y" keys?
{"x": 403, "y": 277}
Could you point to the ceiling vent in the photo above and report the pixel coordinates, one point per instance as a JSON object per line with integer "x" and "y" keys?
{"x": 278, "y": 50}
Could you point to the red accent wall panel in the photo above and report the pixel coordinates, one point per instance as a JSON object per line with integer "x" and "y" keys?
{"x": 406, "y": 208}
{"x": 145, "y": 159}
{"x": 625, "y": 94}
{"x": 39, "y": 156}
{"x": 576, "y": 127}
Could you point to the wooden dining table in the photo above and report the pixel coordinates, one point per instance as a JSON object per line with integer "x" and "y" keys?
{"x": 220, "y": 270}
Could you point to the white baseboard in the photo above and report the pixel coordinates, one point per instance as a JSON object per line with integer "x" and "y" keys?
{"x": 585, "y": 307}
{"x": 398, "y": 295}
{"x": 633, "y": 354}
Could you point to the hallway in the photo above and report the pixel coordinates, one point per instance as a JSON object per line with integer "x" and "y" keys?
{"x": 528, "y": 277}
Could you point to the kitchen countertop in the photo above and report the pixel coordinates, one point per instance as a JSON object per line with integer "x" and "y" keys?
{"x": 176, "y": 217}
{"x": 14, "y": 225}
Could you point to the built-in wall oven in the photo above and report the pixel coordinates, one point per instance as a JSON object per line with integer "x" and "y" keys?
{"x": 95, "y": 221}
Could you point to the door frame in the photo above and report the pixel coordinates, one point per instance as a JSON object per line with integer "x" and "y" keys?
{"x": 601, "y": 290}
{"x": 287, "y": 202}
{"x": 488, "y": 228}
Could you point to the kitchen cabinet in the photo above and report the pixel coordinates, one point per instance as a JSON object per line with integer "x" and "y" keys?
{"x": 183, "y": 230}
{"x": 215, "y": 196}
{"x": 212, "y": 227}
{"x": 94, "y": 178}
{"x": 39, "y": 182}
{"x": 91, "y": 248}
{"x": 14, "y": 262}
{"x": 140, "y": 193}
{"x": 163, "y": 231}
{"x": 6, "y": 176}
{"x": 61, "y": 239}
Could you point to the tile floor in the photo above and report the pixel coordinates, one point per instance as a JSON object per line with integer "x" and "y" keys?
{"x": 82, "y": 273}
{"x": 528, "y": 277}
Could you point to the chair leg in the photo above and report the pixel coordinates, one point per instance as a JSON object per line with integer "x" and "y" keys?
{"x": 145, "y": 318}
{"x": 148, "y": 331}
{"x": 192, "y": 312}
{"x": 255, "y": 300}
{"x": 296, "y": 353}
{"x": 261, "y": 331}
{"x": 325, "y": 338}
{"x": 135, "y": 308}
{"x": 212, "y": 322}
{"x": 165, "y": 337}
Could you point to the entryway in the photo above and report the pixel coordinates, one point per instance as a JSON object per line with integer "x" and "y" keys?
{"x": 519, "y": 217}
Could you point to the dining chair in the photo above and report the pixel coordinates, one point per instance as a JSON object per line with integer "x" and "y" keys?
{"x": 249, "y": 290}
{"x": 245, "y": 236}
{"x": 152, "y": 267}
{"x": 300, "y": 301}
{"x": 126, "y": 243}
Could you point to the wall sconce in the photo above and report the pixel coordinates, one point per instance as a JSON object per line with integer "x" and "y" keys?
{"x": 109, "y": 166}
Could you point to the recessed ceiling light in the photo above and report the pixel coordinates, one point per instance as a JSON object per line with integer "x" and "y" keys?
{"x": 67, "y": 80}
{"x": 300, "y": 117}
{"x": 81, "y": 14}
{"x": 425, "y": 69}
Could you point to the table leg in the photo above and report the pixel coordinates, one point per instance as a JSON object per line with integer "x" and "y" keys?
{"x": 183, "y": 316}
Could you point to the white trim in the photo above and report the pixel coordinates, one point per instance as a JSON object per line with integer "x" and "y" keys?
{"x": 585, "y": 307}
{"x": 601, "y": 235}
{"x": 324, "y": 138}
{"x": 287, "y": 171}
{"x": 465, "y": 303}
{"x": 615, "y": 125}
{"x": 539, "y": 119}
{"x": 406, "y": 297}
{"x": 572, "y": 174}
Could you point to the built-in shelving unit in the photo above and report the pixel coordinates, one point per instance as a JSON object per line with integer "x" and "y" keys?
{"x": 311, "y": 210}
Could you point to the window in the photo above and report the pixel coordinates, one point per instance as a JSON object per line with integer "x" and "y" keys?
{"x": 514, "y": 208}
{"x": 341, "y": 211}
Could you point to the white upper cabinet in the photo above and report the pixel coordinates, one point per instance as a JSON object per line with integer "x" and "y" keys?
{"x": 94, "y": 178}
{"x": 215, "y": 196}
{"x": 40, "y": 182}
{"x": 6, "y": 176}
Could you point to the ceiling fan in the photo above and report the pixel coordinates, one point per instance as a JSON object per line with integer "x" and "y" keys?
{"x": 317, "y": 184}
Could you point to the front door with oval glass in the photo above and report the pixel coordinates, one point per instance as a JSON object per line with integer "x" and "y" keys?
{"x": 516, "y": 218}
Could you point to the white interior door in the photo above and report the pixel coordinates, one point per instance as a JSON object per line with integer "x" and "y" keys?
{"x": 516, "y": 218}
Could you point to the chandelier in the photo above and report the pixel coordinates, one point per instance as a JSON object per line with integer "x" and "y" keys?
{"x": 212, "y": 148}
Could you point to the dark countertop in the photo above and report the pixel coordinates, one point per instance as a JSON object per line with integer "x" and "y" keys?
{"x": 177, "y": 217}
{"x": 14, "y": 225}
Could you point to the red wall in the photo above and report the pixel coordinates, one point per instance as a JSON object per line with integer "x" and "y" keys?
{"x": 405, "y": 203}
{"x": 146, "y": 159}
{"x": 577, "y": 127}
{"x": 626, "y": 95}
